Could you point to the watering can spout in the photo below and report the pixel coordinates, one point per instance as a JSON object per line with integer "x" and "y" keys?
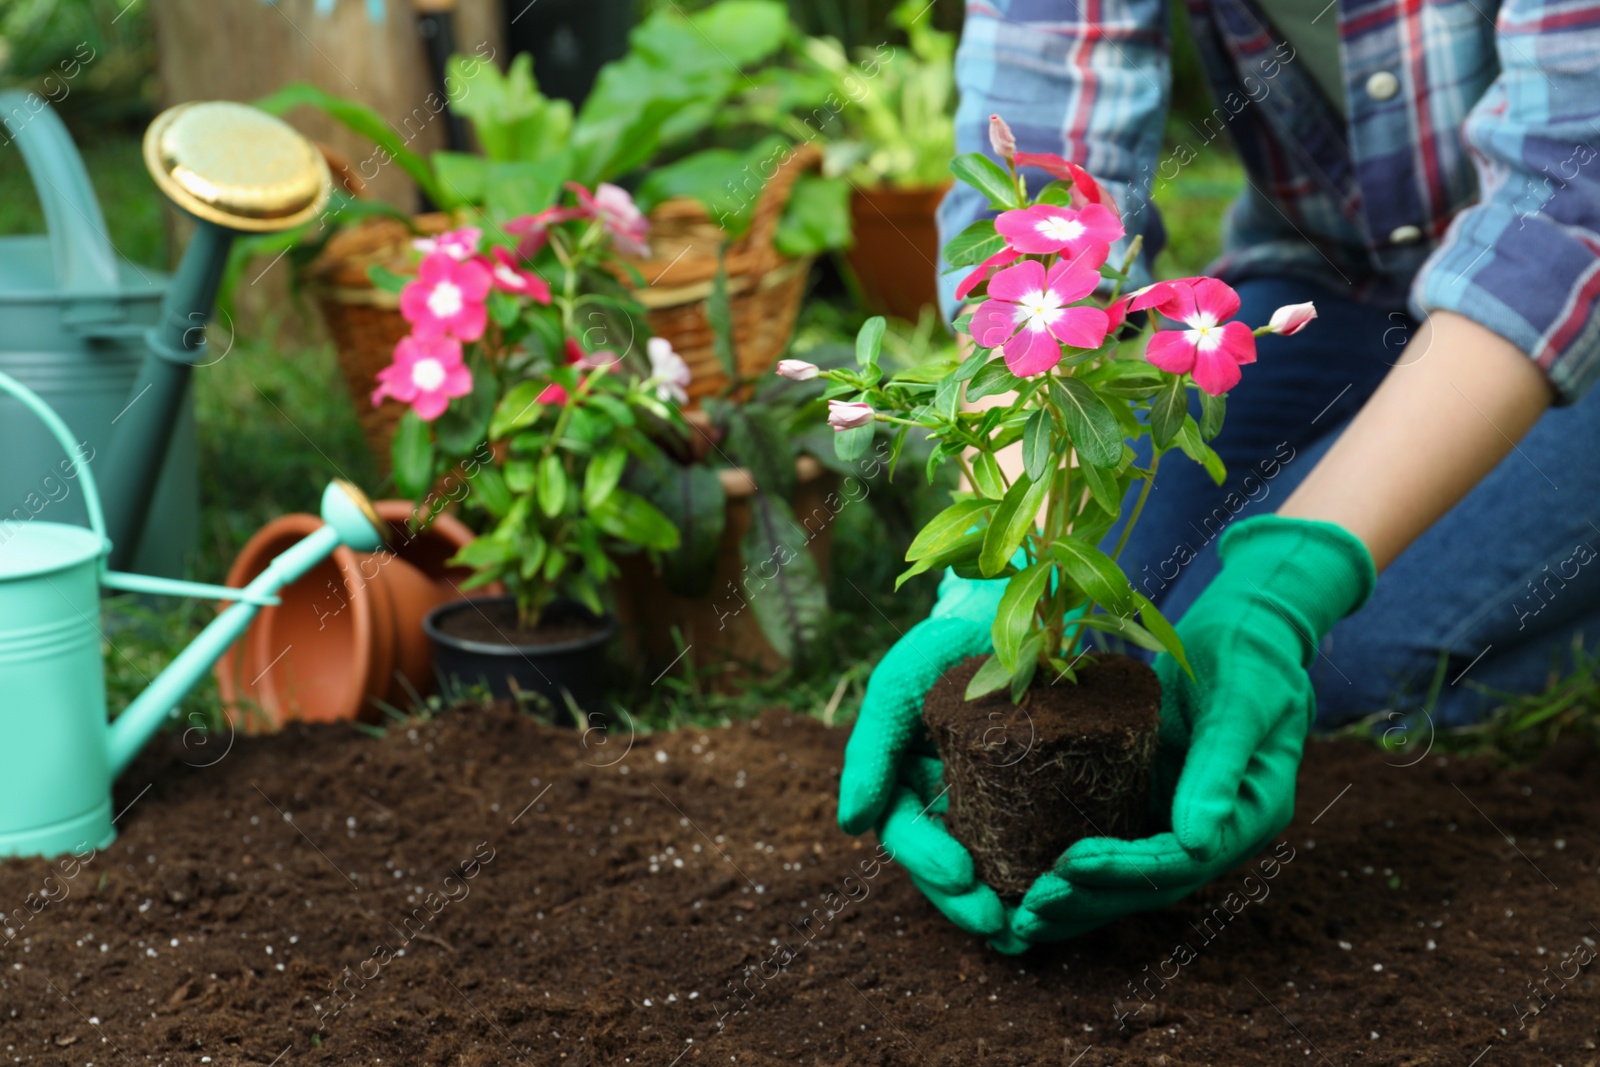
{"x": 350, "y": 520}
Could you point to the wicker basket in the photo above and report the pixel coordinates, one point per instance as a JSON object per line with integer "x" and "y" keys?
{"x": 764, "y": 291}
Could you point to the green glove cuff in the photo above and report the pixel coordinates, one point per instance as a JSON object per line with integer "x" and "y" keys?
{"x": 973, "y": 599}
{"x": 1316, "y": 573}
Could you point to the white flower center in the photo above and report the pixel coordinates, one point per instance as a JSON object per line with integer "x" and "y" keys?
{"x": 1059, "y": 229}
{"x": 508, "y": 276}
{"x": 1203, "y": 332}
{"x": 427, "y": 374}
{"x": 1038, "y": 310}
{"x": 445, "y": 300}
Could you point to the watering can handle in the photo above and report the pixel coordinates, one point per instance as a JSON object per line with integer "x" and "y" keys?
{"x": 85, "y": 263}
{"x": 63, "y": 436}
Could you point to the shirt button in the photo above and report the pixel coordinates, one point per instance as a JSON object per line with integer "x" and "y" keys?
{"x": 1382, "y": 85}
{"x": 1404, "y": 235}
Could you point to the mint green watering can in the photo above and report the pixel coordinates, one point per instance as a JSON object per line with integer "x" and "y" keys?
{"x": 58, "y": 754}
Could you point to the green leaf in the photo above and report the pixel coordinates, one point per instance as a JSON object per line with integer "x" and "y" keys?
{"x": 948, "y": 527}
{"x": 412, "y": 457}
{"x": 1027, "y": 664}
{"x": 504, "y": 308}
{"x": 552, "y": 485}
{"x": 990, "y": 678}
{"x": 387, "y": 280}
{"x": 518, "y": 408}
{"x": 465, "y": 423}
{"x": 490, "y": 490}
{"x": 869, "y": 340}
{"x": 484, "y": 552}
{"x": 743, "y": 32}
{"x": 633, "y": 519}
{"x": 756, "y": 440}
{"x": 986, "y": 476}
{"x": 974, "y": 244}
{"x": 993, "y": 378}
{"x": 602, "y": 475}
{"x": 1212, "y": 411}
{"x": 1015, "y": 616}
{"x": 1167, "y": 411}
{"x": 960, "y": 552}
{"x": 512, "y": 189}
{"x": 781, "y": 580}
{"x": 972, "y": 364}
{"x": 1102, "y": 488}
{"x": 1202, "y": 453}
{"x": 1123, "y": 627}
{"x": 1012, "y": 521}
{"x": 816, "y": 219}
{"x": 461, "y": 176}
{"x": 719, "y": 316}
{"x": 1096, "y": 573}
{"x": 1037, "y": 456}
{"x": 692, "y": 498}
{"x": 851, "y": 445}
{"x": 1162, "y": 630}
{"x": 521, "y": 475}
{"x": 985, "y": 175}
{"x": 1090, "y": 423}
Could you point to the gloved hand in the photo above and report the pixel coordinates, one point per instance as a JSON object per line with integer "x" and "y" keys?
{"x": 1230, "y": 738}
{"x": 893, "y": 779}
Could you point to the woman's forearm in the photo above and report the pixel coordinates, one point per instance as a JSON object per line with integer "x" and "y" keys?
{"x": 1451, "y": 409}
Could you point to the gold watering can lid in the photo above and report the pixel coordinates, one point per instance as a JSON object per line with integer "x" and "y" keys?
{"x": 236, "y": 166}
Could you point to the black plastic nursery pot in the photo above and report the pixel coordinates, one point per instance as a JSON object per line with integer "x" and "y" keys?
{"x": 475, "y": 642}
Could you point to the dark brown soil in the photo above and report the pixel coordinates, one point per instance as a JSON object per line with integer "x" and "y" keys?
{"x": 591, "y": 904}
{"x": 495, "y": 623}
{"x": 1027, "y": 780}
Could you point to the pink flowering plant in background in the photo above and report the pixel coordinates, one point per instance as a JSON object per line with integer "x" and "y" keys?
{"x": 530, "y": 374}
{"x": 1073, "y": 383}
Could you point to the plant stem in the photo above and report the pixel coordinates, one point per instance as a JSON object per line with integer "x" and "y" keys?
{"x": 1144, "y": 494}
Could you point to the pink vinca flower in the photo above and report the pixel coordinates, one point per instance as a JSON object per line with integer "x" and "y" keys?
{"x": 611, "y": 204}
{"x": 426, "y": 373}
{"x": 1003, "y": 258}
{"x": 1292, "y": 318}
{"x": 447, "y": 297}
{"x": 1044, "y": 228}
{"x": 1028, "y": 313}
{"x": 506, "y": 276}
{"x": 797, "y": 370}
{"x": 457, "y": 244}
{"x": 1211, "y": 348}
{"x": 554, "y": 393}
{"x": 532, "y": 231}
{"x": 848, "y": 414}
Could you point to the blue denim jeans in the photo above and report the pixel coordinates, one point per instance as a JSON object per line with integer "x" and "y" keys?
{"x": 1497, "y": 591}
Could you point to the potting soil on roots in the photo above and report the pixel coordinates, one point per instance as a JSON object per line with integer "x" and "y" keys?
{"x": 481, "y": 889}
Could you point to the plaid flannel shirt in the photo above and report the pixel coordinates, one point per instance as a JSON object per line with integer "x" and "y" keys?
{"x": 1465, "y": 177}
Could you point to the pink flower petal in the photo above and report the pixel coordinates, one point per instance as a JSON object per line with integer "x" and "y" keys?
{"x": 973, "y": 280}
{"x": 430, "y": 406}
{"x": 1215, "y": 298}
{"x": 1081, "y": 327}
{"x": 1215, "y": 373}
{"x": 1016, "y": 281}
{"x": 1031, "y": 352}
{"x": 1171, "y": 351}
{"x": 1072, "y": 280}
{"x": 1020, "y": 228}
{"x": 992, "y": 323}
{"x": 1100, "y": 223}
{"x": 1239, "y": 342}
{"x": 1085, "y": 186}
{"x": 1048, "y": 162}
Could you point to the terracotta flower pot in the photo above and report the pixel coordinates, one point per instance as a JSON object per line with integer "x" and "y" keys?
{"x": 896, "y": 250}
{"x": 349, "y": 633}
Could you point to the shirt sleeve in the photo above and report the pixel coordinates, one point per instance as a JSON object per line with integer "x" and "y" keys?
{"x": 1088, "y": 80}
{"x": 1525, "y": 260}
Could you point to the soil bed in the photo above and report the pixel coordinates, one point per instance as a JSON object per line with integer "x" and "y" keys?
{"x": 1027, "y": 780}
{"x": 591, "y": 904}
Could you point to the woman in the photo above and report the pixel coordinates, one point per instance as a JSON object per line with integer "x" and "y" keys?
{"x": 1426, "y": 175}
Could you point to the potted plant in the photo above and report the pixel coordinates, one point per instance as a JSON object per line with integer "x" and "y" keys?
{"x": 1047, "y": 727}
{"x": 896, "y": 139}
{"x": 679, "y": 119}
{"x": 535, "y": 395}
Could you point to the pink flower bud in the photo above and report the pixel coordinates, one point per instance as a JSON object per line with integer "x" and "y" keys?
{"x": 848, "y": 414}
{"x": 797, "y": 370}
{"x": 1292, "y": 318}
{"x": 1001, "y": 138}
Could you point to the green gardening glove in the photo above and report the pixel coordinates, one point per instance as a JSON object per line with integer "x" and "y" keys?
{"x": 1231, "y": 736}
{"x": 893, "y": 780}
